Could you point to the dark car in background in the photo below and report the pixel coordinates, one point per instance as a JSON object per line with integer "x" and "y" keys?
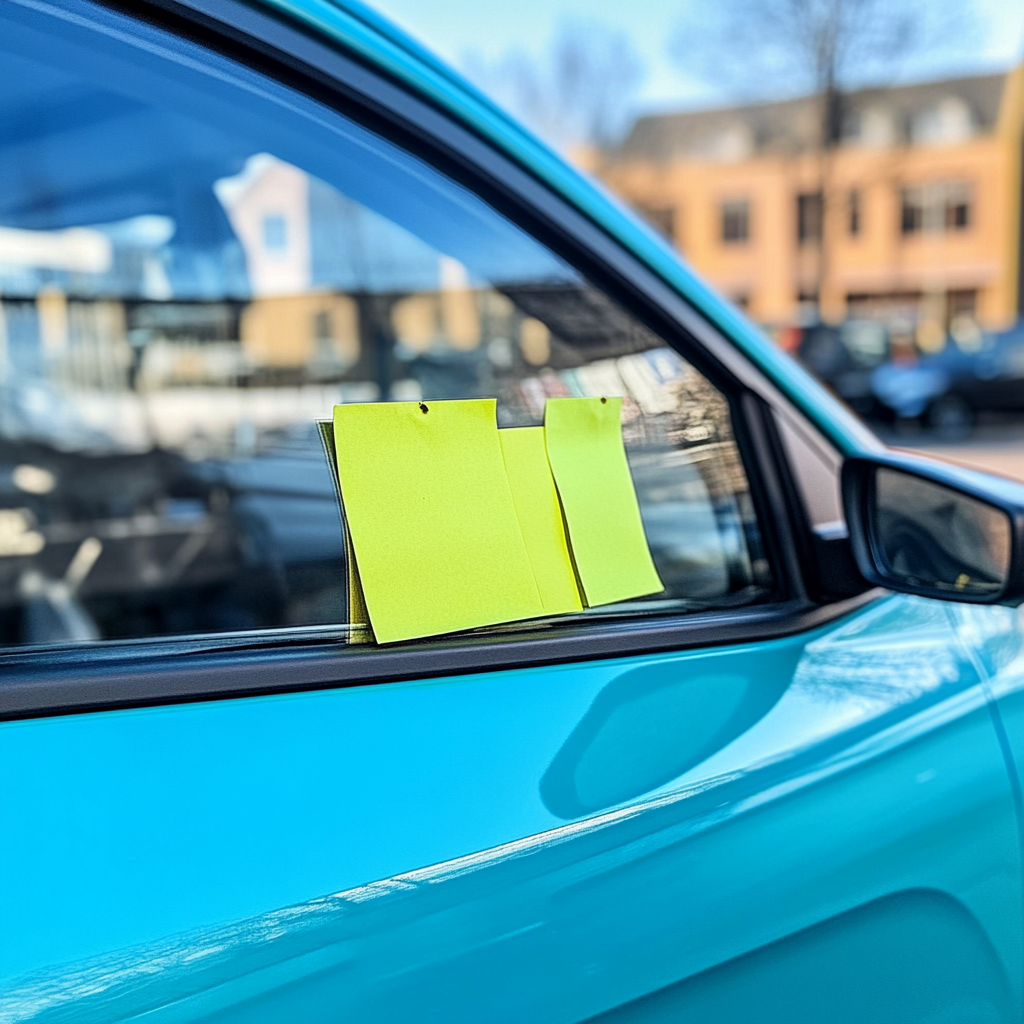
{"x": 947, "y": 390}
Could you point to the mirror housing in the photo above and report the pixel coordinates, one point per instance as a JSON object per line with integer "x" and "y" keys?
{"x": 930, "y": 528}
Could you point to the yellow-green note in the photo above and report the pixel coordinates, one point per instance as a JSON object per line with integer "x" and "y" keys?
{"x": 606, "y": 533}
{"x": 540, "y": 517}
{"x": 431, "y": 515}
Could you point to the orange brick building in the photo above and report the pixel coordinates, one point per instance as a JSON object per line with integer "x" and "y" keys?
{"x": 921, "y": 213}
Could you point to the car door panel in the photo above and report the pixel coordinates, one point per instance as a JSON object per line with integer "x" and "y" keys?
{"x": 178, "y": 862}
{"x": 925, "y": 956}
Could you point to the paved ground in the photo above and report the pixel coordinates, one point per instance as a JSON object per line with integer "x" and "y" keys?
{"x": 998, "y": 449}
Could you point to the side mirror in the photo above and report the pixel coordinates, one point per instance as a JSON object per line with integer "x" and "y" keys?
{"x": 933, "y": 529}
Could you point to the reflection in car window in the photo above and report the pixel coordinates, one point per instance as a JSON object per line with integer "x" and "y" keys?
{"x": 195, "y": 265}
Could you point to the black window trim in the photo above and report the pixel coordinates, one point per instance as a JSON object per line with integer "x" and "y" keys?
{"x": 61, "y": 680}
{"x": 40, "y": 681}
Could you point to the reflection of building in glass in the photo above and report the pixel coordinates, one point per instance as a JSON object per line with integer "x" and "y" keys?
{"x": 307, "y": 298}
{"x": 309, "y": 332}
{"x": 268, "y": 206}
{"x": 921, "y": 215}
{"x": 314, "y": 258}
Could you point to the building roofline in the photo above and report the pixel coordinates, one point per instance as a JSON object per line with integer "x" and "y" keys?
{"x": 861, "y": 91}
{"x": 791, "y": 124}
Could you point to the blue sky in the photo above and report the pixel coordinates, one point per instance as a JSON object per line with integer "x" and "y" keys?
{"x": 453, "y": 28}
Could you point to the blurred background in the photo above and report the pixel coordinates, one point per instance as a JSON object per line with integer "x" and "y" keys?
{"x": 848, "y": 172}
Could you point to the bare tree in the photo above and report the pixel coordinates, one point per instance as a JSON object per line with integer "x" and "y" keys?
{"x": 580, "y": 91}
{"x": 767, "y": 49}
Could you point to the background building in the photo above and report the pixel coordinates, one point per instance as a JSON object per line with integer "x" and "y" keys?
{"x": 913, "y": 217}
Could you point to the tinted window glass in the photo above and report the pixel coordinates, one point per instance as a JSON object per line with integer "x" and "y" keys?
{"x": 197, "y": 263}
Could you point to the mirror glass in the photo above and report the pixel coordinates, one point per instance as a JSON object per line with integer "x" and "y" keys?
{"x": 927, "y": 536}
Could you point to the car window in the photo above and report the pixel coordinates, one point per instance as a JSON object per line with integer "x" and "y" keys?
{"x": 197, "y": 263}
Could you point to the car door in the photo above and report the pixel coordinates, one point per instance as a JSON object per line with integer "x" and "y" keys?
{"x": 760, "y": 795}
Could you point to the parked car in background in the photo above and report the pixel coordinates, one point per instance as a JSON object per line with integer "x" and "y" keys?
{"x": 947, "y": 390}
{"x": 786, "y": 789}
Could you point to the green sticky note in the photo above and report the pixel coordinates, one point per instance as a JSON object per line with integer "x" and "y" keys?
{"x": 431, "y": 517}
{"x": 606, "y": 533}
{"x": 540, "y": 518}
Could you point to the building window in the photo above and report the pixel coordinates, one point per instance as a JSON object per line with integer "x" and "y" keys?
{"x": 853, "y": 211}
{"x": 912, "y": 211}
{"x": 808, "y": 217}
{"x": 936, "y": 207}
{"x": 275, "y": 233}
{"x": 736, "y": 221}
{"x": 957, "y": 212}
{"x": 661, "y": 218}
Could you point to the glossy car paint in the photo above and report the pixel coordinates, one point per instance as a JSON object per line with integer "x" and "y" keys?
{"x": 404, "y": 852}
{"x": 992, "y": 637}
{"x": 818, "y": 828}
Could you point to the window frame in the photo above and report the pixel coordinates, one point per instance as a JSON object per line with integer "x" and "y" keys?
{"x": 938, "y": 208}
{"x": 810, "y": 218}
{"x": 855, "y": 213}
{"x": 734, "y": 212}
{"x": 70, "y": 678}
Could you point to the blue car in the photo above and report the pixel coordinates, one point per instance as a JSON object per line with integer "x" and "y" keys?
{"x": 949, "y": 388}
{"x": 786, "y": 789}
